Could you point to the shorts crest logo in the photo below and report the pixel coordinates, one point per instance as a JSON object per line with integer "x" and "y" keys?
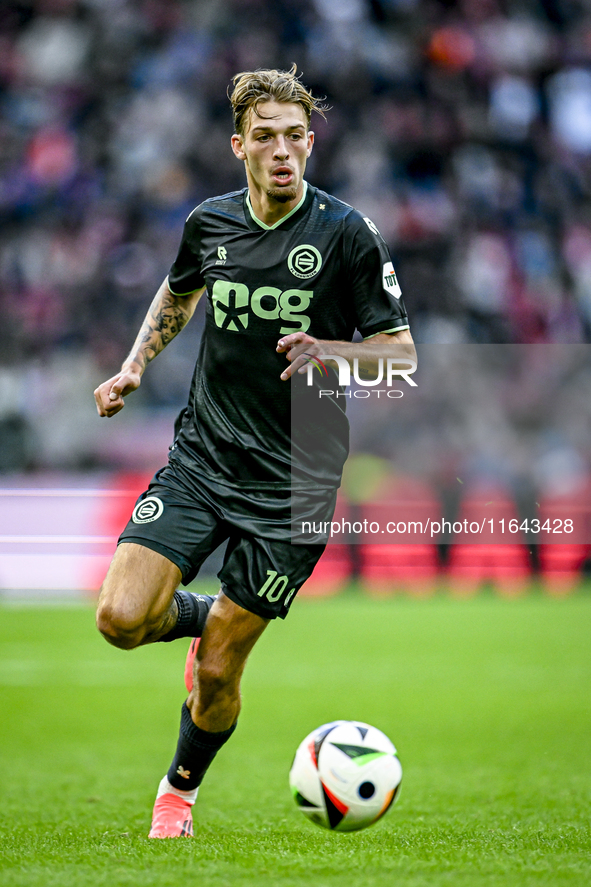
{"x": 304, "y": 261}
{"x": 147, "y": 510}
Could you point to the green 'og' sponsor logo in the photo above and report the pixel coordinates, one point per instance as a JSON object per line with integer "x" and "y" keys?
{"x": 232, "y": 304}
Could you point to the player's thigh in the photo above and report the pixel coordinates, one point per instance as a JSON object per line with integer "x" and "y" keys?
{"x": 139, "y": 584}
{"x": 264, "y": 575}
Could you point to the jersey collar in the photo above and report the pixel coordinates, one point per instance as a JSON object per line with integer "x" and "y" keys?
{"x": 291, "y": 213}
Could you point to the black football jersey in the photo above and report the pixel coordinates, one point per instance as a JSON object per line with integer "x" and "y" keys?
{"x": 325, "y": 270}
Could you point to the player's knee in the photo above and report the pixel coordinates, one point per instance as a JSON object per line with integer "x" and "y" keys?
{"x": 214, "y": 680}
{"x": 119, "y": 626}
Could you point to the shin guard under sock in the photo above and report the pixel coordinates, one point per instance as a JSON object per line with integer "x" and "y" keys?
{"x": 195, "y": 751}
{"x": 193, "y": 610}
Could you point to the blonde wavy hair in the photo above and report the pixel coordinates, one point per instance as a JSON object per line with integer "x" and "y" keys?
{"x": 269, "y": 85}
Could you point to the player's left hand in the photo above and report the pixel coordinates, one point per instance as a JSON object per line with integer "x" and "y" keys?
{"x": 298, "y": 347}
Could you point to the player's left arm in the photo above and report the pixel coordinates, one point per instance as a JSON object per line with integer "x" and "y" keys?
{"x": 299, "y": 347}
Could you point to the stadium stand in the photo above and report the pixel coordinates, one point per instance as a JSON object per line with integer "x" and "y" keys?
{"x": 503, "y": 559}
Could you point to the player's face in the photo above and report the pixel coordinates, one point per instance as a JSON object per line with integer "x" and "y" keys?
{"x": 275, "y": 147}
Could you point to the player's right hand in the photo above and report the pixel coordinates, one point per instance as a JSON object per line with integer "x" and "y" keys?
{"x": 109, "y": 396}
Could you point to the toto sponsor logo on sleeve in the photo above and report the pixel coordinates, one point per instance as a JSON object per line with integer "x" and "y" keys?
{"x": 147, "y": 510}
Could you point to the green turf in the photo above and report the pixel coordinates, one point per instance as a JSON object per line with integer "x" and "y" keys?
{"x": 487, "y": 701}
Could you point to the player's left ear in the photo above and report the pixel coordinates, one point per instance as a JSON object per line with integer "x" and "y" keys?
{"x": 310, "y": 143}
{"x": 237, "y": 147}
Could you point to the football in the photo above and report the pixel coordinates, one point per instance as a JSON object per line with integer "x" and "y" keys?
{"x": 345, "y": 775}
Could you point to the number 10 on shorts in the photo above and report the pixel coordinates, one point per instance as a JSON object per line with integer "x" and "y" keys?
{"x": 274, "y": 587}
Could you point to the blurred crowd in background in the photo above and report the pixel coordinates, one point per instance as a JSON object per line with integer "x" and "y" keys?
{"x": 462, "y": 129}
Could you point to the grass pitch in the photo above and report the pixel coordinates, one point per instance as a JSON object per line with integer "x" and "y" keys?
{"x": 487, "y": 701}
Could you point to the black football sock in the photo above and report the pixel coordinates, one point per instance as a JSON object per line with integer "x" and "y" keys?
{"x": 195, "y": 751}
{"x": 193, "y": 610}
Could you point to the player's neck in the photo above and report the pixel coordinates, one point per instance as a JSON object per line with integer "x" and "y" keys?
{"x": 268, "y": 211}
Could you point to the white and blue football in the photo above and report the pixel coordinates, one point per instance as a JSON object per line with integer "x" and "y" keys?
{"x": 345, "y": 775}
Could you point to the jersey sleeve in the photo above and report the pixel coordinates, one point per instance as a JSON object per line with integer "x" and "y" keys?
{"x": 185, "y": 275}
{"x": 377, "y": 298}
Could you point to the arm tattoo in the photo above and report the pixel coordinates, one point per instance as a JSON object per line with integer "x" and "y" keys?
{"x": 165, "y": 319}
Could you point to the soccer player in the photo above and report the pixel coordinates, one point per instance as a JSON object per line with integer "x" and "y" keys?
{"x": 290, "y": 273}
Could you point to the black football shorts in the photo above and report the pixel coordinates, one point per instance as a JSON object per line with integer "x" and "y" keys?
{"x": 185, "y": 516}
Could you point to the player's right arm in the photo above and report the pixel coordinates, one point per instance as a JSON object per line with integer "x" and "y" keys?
{"x": 166, "y": 317}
